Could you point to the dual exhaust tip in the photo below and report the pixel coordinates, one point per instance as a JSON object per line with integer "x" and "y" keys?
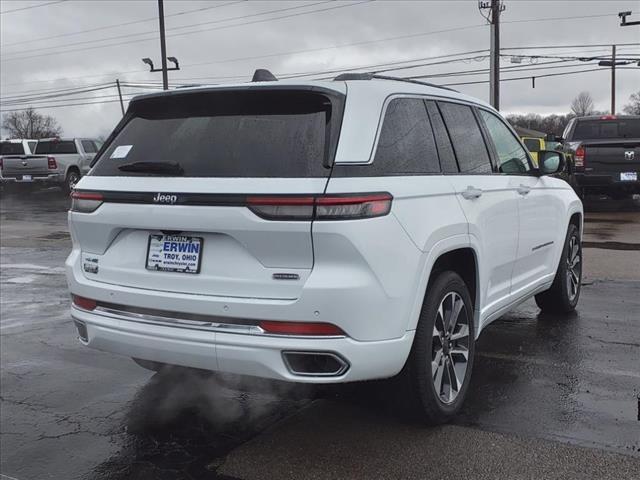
{"x": 315, "y": 364}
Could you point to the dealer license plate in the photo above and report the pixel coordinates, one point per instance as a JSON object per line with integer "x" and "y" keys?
{"x": 174, "y": 253}
{"x": 629, "y": 176}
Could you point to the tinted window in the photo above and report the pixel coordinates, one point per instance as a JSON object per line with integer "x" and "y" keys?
{"x": 8, "y": 148}
{"x": 406, "y": 144}
{"x": 597, "y": 129}
{"x": 88, "y": 146}
{"x": 512, "y": 158}
{"x": 443, "y": 143}
{"x": 532, "y": 144}
{"x": 32, "y": 146}
{"x": 466, "y": 137}
{"x": 54, "y": 146}
{"x": 226, "y": 134}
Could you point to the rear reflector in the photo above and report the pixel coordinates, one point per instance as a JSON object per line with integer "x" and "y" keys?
{"x": 85, "y": 202}
{"x": 84, "y": 303}
{"x": 51, "y": 162}
{"x": 301, "y": 328}
{"x": 580, "y": 157}
{"x": 322, "y": 207}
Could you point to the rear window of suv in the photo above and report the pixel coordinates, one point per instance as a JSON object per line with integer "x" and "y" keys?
{"x": 10, "y": 148}
{"x": 52, "y": 147}
{"x": 605, "y": 129}
{"x": 259, "y": 133}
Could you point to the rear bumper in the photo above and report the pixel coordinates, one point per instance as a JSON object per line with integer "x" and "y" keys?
{"x": 606, "y": 182}
{"x": 47, "y": 178}
{"x": 241, "y": 354}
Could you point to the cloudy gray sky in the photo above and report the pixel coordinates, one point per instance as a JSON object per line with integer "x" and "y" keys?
{"x": 86, "y": 44}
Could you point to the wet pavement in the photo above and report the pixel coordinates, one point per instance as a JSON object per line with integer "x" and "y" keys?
{"x": 544, "y": 388}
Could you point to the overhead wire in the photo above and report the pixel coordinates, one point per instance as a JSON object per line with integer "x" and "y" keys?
{"x": 117, "y": 25}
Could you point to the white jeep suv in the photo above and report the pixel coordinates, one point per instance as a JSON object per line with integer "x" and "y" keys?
{"x": 320, "y": 232}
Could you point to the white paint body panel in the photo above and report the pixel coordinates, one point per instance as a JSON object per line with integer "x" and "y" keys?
{"x": 369, "y": 277}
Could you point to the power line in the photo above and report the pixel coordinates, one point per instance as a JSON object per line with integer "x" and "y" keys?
{"x": 32, "y": 6}
{"x": 538, "y": 76}
{"x": 106, "y": 27}
{"x": 150, "y": 32}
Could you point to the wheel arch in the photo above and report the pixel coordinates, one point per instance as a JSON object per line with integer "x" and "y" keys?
{"x": 461, "y": 258}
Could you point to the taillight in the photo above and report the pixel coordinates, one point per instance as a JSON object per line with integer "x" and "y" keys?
{"x": 580, "y": 157}
{"x": 51, "y": 161}
{"x": 301, "y": 328}
{"x": 84, "y": 303}
{"x": 321, "y": 207}
{"x": 85, "y": 202}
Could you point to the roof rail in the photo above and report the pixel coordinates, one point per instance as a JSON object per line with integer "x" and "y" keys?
{"x": 371, "y": 75}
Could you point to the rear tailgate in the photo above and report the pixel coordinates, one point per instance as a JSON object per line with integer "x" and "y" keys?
{"x": 233, "y": 148}
{"x": 618, "y": 158}
{"x": 17, "y": 166}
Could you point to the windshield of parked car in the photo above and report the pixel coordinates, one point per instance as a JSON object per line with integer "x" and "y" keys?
{"x": 11, "y": 148}
{"x": 225, "y": 134}
{"x": 607, "y": 129}
{"x": 55, "y": 146}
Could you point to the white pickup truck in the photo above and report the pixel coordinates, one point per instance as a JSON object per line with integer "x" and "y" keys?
{"x": 59, "y": 161}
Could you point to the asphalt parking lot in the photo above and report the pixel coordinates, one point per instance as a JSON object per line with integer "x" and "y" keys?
{"x": 550, "y": 398}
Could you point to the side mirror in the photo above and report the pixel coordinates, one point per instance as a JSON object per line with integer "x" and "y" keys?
{"x": 550, "y": 162}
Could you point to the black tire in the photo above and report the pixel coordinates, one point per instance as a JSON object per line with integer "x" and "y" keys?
{"x": 429, "y": 404}
{"x": 564, "y": 293}
{"x": 70, "y": 181}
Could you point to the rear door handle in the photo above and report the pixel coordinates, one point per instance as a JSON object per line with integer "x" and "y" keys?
{"x": 523, "y": 190}
{"x": 471, "y": 193}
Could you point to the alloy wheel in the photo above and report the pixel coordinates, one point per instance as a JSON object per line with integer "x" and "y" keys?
{"x": 574, "y": 268}
{"x": 450, "y": 347}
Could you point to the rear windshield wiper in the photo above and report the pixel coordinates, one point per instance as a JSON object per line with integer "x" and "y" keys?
{"x": 172, "y": 168}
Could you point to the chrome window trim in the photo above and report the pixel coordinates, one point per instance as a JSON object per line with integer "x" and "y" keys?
{"x": 385, "y": 105}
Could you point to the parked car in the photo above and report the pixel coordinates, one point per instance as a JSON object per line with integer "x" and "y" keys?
{"x": 534, "y": 145}
{"x": 319, "y": 232}
{"x": 14, "y": 149}
{"x": 59, "y": 161}
{"x": 605, "y": 154}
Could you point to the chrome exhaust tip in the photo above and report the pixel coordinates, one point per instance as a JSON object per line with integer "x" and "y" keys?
{"x": 315, "y": 364}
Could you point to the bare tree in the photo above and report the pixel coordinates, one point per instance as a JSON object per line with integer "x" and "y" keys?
{"x": 30, "y": 124}
{"x": 633, "y": 107}
{"x": 582, "y": 105}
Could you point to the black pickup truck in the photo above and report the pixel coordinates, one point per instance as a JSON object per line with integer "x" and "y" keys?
{"x": 604, "y": 154}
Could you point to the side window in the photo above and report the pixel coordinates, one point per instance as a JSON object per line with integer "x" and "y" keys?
{"x": 466, "y": 137}
{"x": 445, "y": 150}
{"x": 512, "y": 158}
{"x": 406, "y": 144}
{"x": 567, "y": 129}
{"x": 533, "y": 144}
{"x": 88, "y": 146}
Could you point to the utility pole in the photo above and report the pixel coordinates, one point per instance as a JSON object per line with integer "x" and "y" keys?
{"x": 495, "y": 7}
{"x": 613, "y": 79}
{"x": 613, "y": 63}
{"x": 163, "y": 52}
{"x": 120, "y": 95}
{"x": 163, "y": 46}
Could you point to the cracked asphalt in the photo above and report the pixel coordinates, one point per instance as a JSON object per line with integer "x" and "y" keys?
{"x": 550, "y": 397}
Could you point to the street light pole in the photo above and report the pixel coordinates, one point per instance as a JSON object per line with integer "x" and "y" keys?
{"x": 163, "y": 46}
